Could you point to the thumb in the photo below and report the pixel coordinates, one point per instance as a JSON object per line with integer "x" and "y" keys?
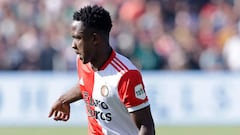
{"x": 51, "y": 113}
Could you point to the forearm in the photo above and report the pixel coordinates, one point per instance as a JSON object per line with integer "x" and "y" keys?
{"x": 71, "y": 95}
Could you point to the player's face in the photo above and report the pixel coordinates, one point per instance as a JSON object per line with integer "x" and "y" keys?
{"x": 82, "y": 42}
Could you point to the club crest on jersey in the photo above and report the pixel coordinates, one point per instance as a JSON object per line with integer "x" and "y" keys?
{"x": 104, "y": 91}
{"x": 139, "y": 92}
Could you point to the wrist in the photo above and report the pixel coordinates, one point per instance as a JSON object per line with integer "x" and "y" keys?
{"x": 62, "y": 100}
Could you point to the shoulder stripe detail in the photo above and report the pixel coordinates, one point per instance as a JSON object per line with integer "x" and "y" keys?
{"x": 117, "y": 66}
{"x": 121, "y": 63}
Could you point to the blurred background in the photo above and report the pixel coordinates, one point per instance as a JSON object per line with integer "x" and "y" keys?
{"x": 188, "y": 51}
{"x": 155, "y": 34}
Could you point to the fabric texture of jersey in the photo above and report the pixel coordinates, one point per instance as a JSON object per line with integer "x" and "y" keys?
{"x": 110, "y": 94}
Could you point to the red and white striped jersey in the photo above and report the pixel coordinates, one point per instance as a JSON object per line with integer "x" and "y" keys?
{"x": 110, "y": 94}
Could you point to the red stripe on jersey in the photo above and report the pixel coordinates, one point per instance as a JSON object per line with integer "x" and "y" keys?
{"x": 86, "y": 82}
{"x": 119, "y": 64}
{"x": 117, "y": 68}
{"x": 122, "y": 64}
{"x": 93, "y": 127}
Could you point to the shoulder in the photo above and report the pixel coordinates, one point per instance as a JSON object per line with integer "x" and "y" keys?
{"x": 125, "y": 62}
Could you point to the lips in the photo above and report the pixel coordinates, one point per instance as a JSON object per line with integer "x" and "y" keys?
{"x": 77, "y": 52}
{"x": 79, "y": 55}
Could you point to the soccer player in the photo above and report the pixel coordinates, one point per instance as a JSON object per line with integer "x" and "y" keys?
{"x": 110, "y": 85}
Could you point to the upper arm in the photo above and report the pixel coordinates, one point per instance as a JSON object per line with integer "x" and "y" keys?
{"x": 133, "y": 96}
{"x": 131, "y": 91}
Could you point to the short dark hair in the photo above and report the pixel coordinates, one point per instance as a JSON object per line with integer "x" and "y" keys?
{"x": 94, "y": 17}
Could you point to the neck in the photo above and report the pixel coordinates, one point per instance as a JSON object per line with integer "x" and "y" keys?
{"x": 101, "y": 58}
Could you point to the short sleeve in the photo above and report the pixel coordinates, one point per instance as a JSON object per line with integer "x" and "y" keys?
{"x": 132, "y": 92}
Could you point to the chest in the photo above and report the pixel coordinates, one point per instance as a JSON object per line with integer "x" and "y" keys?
{"x": 100, "y": 87}
{"x": 105, "y": 87}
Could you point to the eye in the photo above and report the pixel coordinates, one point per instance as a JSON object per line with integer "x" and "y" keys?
{"x": 76, "y": 37}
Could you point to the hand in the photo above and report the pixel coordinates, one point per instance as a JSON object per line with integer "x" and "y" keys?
{"x": 61, "y": 111}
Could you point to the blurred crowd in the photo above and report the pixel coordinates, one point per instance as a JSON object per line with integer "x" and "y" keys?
{"x": 154, "y": 34}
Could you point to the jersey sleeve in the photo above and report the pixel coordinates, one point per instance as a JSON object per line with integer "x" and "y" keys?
{"x": 131, "y": 91}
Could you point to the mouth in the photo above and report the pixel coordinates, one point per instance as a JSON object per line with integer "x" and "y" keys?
{"x": 77, "y": 52}
{"x": 79, "y": 55}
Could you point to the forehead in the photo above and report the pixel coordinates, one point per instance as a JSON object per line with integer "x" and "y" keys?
{"x": 77, "y": 27}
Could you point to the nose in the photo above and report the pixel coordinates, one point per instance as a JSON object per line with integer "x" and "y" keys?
{"x": 74, "y": 45}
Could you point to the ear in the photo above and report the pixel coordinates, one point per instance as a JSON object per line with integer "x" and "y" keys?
{"x": 96, "y": 38}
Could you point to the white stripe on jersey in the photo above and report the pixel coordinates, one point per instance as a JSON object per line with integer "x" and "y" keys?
{"x": 143, "y": 105}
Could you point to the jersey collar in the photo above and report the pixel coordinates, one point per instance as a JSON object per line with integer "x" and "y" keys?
{"x": 113, "y": 54}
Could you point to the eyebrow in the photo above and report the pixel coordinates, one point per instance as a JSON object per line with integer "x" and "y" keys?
{"x": 77, "y": 35}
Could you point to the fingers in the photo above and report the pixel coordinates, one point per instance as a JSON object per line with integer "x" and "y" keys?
{"x": 50, "y": 113}
{"x": 57, "y": 116}
{"x": 60, "y": 112}
{"x": 61, "y": 116}
{"x": 66, "y": 117}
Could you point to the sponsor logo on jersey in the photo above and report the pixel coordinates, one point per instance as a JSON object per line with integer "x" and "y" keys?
{"x": 102, "y": 113}
{"x": 139, "y": 92}
{"x": 104, "y": 91}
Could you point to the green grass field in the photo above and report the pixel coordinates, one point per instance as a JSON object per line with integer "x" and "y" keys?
{"x": 163, "y": 130}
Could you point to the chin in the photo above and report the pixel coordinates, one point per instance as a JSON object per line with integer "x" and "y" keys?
{"x": 84, "y": 61}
